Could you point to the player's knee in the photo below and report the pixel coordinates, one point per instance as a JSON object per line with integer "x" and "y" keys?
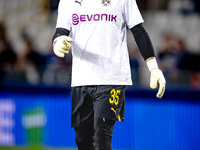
{"x": 103, "y": 134}
{"x": 83, "y": 139}
{"x": 84, "y": 143}
{"x": 80, "y": 141}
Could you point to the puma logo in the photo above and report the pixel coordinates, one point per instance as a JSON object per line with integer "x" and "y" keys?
{"x": 78, "y": 1}
{"x": 113, "y": 110}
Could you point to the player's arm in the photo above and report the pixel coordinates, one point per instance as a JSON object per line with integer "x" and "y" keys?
{"x": 146, "y": 49}
{"x": 61, "y": 42}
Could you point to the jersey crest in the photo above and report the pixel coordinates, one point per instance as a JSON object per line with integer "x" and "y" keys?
{"x": 105, "y": 2}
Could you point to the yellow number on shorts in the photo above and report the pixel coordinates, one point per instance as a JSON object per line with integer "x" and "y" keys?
{"x": 114, "y": 97}
{"x": 117, "y": 97}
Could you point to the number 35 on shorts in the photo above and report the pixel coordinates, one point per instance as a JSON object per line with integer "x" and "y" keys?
{"x": 114, "y": 100}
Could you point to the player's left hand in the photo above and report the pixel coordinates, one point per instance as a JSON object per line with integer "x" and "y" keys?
{"x": 157, "y": 79}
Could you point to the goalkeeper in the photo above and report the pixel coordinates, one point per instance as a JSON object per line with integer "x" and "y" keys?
{"x": 100, "y": 64}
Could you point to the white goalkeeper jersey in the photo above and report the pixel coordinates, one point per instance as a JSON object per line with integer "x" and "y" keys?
{"x": 99, "y": 49}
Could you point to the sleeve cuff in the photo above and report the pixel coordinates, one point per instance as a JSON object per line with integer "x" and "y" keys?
{"x": 152, "y": 64}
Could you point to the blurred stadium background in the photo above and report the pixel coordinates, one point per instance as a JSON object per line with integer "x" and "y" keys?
{"x": 35, "y": 84}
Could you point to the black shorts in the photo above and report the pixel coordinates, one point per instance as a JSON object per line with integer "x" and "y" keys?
{"x": 103, "y": 101}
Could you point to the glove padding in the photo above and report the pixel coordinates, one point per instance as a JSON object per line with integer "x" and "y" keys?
{"x": 61, "y": 45}
{"x": 157, "y": 79}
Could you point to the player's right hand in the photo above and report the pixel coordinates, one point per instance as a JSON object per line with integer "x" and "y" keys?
{"x": 61, "y": 45}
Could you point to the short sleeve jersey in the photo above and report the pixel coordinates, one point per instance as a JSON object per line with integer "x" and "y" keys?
{"x": 99, "y": 50}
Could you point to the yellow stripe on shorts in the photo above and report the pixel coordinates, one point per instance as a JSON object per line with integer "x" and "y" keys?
{"x": 119, "y": 118}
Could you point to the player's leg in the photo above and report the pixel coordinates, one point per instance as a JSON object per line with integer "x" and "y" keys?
{"x": 82, "y": 117}
{"x": 108, "y": 107}
{"x": 103, "y": 130}
{"x": 84, "y": 136}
